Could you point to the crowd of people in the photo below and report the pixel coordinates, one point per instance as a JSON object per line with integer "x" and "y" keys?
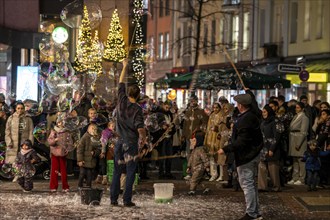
{"x": 243, "y": 146}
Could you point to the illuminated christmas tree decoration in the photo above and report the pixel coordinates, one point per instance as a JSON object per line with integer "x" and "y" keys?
{"x": 115, "y": 44}
{"x": 97, "y": 48}
{"x": 138, "y": 56}
{"x": 84, "y": 52}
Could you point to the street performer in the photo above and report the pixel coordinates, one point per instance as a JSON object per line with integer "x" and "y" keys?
{"x": 246, "y": 145}
{"x": 130, "y": 127}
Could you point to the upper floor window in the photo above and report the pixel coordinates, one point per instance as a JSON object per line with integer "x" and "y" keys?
{"x": 319, "y": 19}
{"x": 294, "y": 22}
{"x": 160, "y": 46}
{"x": 179, "y": 43}
{"x": 246, "y": 31}
{"x": 262, "y": 27}
{"x": 205, "y": 41}
{"x": 213, "y": 35}
{"x": 167, "y": 7}
{"x": 307, "y": 25}
{"x": 161, "y": 8}
{"x": 221, "y": 31}
{"x": 235, "y": 31}
{"x": 151, "y": 7}
{"x": 167, "y": 45}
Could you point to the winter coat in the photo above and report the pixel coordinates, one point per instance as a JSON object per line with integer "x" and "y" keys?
{"x": 323, "y": 134}
{"x": 212, "y": 131}
{"x": 312, "y": 159}
{"x": 2, "y": 129}
{"x": 247, "y": 140}
{"x": 88, "y": 150}
{"x": 63, "y": 145}
{"x": 198, "y": 159}
{"x": 108, "y": 140}
{"x": 299, "y": 127}
{"x": 12, "y": 137}
{"x": 271, "y": 137}
{"x": 195, "y": 120}
{"x": 23, "y": 163}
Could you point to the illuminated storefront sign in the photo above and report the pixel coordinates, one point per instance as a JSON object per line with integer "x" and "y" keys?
{"x": 313, "y": 77}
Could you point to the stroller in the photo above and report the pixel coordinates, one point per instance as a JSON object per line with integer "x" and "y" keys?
{"x": 42, "y": 168}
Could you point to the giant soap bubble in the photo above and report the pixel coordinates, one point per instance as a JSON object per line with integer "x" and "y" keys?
{"x": 72, "y": 14}
{"x": 83, "y": 81}
{"x": 104, "y": 87}
{"x": 55, "y": 84}
{"x": 40, "y": 132}
{"x": 94, "y": 14}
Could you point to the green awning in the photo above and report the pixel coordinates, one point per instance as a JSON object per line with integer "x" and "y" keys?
{"x": 227, "y": 79}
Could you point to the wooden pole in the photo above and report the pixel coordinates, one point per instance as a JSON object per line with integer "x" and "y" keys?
{"x": 233, "y": 65}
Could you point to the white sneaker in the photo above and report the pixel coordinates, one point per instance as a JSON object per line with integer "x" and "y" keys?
{"x": 191, "y": 192}
{"x": 220, "y": 179}
{"x": 291, "y": 182}
{"x": 188, "y": 177}
{"x": 212, "y": 178}
{"x": 15, "y": 179}
{"x": 298, "y": 183}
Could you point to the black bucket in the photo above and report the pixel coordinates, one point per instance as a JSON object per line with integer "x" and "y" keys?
{"x": 91, "y": 196}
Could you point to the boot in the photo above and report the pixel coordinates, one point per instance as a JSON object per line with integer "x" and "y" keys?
{"x": 105, "y": 180}
{"x": 98, "y": 179}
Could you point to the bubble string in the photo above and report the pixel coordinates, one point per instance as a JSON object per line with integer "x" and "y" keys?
{"x": 233, "y": 65}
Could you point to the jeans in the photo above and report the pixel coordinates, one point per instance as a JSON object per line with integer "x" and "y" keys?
{"x": 127, "y": 151}
{"x": 85, "y": 173}
{"x": 312, "y": 178}
{"x": 247, "y": 179}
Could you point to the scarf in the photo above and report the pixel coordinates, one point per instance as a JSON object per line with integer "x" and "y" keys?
{"x": 23, "y": 151}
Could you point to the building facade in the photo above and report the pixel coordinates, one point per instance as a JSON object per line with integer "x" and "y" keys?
{"x": 259, "y": 35}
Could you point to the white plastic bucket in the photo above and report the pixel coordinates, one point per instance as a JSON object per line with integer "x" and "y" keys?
{"x": 163, "y": 192}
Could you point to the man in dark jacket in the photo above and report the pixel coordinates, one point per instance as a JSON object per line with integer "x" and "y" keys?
{"x": 130, "y": 127}
{"x": 246, "y": 145}
{"x": 165, "y": 146}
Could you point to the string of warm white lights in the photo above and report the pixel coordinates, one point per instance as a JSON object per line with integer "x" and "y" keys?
{"x": 84, "y": 51}
{"x": 137, "y": 60}
{"x": 115, "y": 45}
{"x": 97, "y": 56}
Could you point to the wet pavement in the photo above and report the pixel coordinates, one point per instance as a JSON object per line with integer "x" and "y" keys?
{"x": 294, "y": 202}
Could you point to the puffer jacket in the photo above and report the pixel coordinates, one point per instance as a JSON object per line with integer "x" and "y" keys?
{"x": 88, "y": 150}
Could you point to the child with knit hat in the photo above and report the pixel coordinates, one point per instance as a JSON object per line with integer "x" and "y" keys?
{"x": 24, "y": 165}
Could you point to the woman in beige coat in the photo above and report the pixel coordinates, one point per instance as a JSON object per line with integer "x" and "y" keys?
{"x": 298, "y": 144}
{"x": 19, "y": 127}
{"x": 211, "y": 141}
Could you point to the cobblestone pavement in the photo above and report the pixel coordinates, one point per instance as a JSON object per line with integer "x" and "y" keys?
{"x": 294, "y": 202}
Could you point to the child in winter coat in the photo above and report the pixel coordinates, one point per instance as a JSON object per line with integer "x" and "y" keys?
{"x": 108, "y": 140}
{"x": 87, "y": 153}
{"x": 24, "y": 165}
{"x": 313, "y": 164}
{"x": 198, "y": 163}
{"x": 60, "y": 140}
